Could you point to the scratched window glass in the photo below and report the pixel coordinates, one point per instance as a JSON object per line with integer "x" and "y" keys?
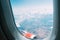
{"x": 34, "y": 16}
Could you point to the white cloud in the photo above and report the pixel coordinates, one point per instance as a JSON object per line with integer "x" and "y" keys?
{"x": 51, "y": 27}
{"x": 17, "y": 24}
{"x": 50, "y": 20}
{"x": 38, "y": 9}
{"x": 27, "y": 12}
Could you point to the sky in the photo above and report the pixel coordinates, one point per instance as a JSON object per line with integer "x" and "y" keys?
{"x": 33, "y": 6}
{"x": 22, "y": 8}
{"x": 31, "y": 2}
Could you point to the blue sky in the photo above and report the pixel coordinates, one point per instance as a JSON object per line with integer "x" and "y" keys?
{"x": 30, "y": 9}
{"x": 24, "y": 5}
{"x": 31, "y": 2}
{"x": 23, "y": 8}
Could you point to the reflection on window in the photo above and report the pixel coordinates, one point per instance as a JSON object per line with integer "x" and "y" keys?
{"x": 34, "y": 16}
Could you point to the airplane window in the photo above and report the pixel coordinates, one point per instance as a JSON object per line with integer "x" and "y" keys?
{"x": 33, "y": 18}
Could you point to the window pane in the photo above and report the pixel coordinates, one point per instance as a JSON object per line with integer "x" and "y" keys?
{"x": 34, "y": 16}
